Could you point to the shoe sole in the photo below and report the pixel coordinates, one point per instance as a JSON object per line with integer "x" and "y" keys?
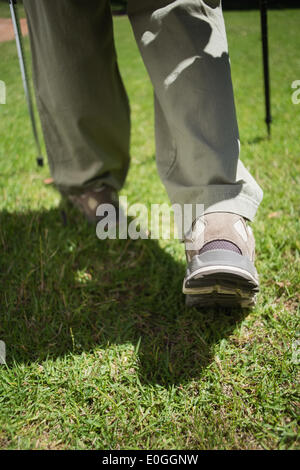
{"x": 221, "y": 277}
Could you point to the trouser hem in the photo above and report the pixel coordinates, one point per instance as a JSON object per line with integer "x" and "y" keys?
{"x": 66, "y": 191}
{"x": 240, "y": 205}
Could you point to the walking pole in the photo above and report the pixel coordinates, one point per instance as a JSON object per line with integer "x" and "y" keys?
{"x": 265, "y": 49}
{"x": 20, "y": 49}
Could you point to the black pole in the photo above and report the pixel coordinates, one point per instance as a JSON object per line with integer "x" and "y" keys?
{"x": 265, "y": 49}
{"x": 20, "y": 50}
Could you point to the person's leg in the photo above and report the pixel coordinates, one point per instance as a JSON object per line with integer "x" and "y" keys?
{"x": 81, "y": 99}
{"x": 184, "y": 47}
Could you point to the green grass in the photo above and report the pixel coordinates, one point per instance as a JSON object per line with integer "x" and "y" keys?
{"x": 101, "y": 357}
{"x": 5, "y": 11}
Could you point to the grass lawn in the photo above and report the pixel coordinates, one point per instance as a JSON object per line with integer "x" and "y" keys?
{"x": 101, "y": 351}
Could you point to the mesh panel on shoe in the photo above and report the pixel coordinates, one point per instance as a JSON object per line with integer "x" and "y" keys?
{"x": 220, "y": 245}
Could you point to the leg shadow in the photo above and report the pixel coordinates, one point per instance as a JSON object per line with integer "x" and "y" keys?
{"x": 63, "y": 291}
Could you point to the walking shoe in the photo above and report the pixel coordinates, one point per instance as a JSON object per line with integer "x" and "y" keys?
{"x": 88, "y": 201}
{"x": 220, "y": 252}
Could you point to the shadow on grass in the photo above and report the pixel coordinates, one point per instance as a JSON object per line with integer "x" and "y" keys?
{"x": 65, "y": 291}
{"x": 258, "y": 139}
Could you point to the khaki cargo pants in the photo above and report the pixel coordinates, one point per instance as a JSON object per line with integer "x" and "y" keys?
{"x": 84, "y": 108}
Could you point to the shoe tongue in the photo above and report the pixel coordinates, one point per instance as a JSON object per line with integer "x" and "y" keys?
{"x": 220, "y": 245}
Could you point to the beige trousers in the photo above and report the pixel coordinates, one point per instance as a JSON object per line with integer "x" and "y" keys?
{"x": 84, "y": 108}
